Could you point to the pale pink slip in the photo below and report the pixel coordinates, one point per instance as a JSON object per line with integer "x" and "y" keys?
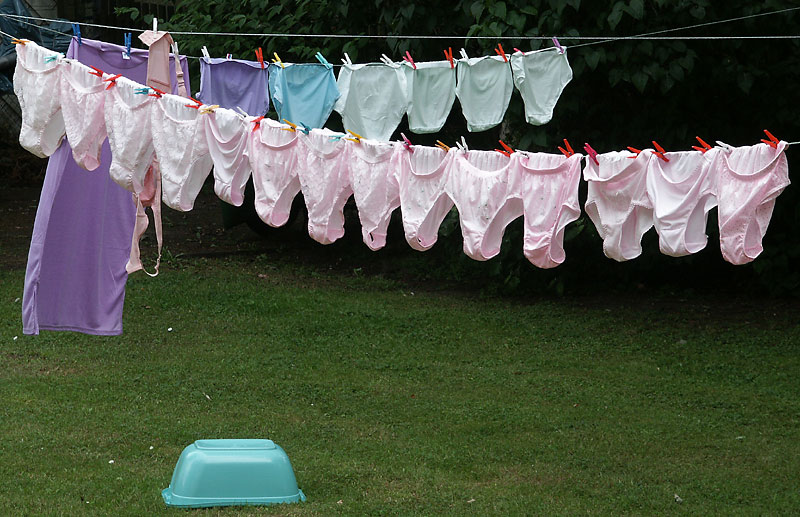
{"x": 375, "y": 192}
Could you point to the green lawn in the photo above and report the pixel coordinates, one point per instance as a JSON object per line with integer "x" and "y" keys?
{"x": 390, "y": 400}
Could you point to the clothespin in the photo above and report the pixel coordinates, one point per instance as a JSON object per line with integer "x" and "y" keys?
{"x": 723, "y": 144}
{"x": 336, "y": 137}
{"x": 386, "y": 60}
{"x": 292, "y": 127}
{"x": 305, "y": 129}
{"x": 157, "y": 93}
{"x": 561, "y": 49}
{"x": 635, "y": 151}
{"x": 464, "y": 54}
{"x": 356, "y": 137}
{"x": 174, "y": 47}
{"x": 500, "y": 52}
{"x": 567, "y": 149}
{"x": 97, "y": 72}
{"x": 228, "y": 56}
{"x": 409, "y": 59}
{"x": 205, "y": 110}
{"x": 443, "y": 146}
{"x": 142, "y": 91}
{"x": 17, "y": 41}
{"x": 324, "y": 61}
{"x": 772, "y": 142}
{"x": 448, "y": 55}
{"x": 346, "y": 59}
{"x": 50, "y": 59}
{"x": 407, "y": 143}
{"x": 76, "y": 30}
{"x": 257, "y": 123}
{"x": 196, "y": 104}
{"x": 260, "y": 56}
{"x": 591, "y": 152}
{"x": 155, "y": 24}
{"x": 206, "y": 55}
{"x": 462, "y": 144}
{"x": 518, "y": 50}
{"x": 703, "y": 149}
{"x": 277, "y": 60}
{"x": 112, "y": 80}
{"x": 508, "y": 150}
{"x": 660, "y": 151}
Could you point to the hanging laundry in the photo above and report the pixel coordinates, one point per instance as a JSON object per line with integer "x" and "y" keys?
{"x": 180, "y": 145}
{"x": 273, "y": 155}
{"x": 374, "y": 189}
{"x": 75, "y": 278}
{"x": 374, "y": 99}
{"x": 484, "y": 89}
{"x": 540, "y": 77}
{"x": 481, "y": 184}
{"x": 303, "y": 93}
{"x": 83, "y": 96}
{"x": 226, "y": 134}
{"x": 682, "y": 191}
{"x": 158, "y": 62}
{"x": 617, "y": 201}
{"x": 232, "y": 83}
{"x": 322, "y": 169}
{"x": 431, "y": 93}
{"x": 749, "y": 181}
{"x": 36, "y": 84}
{"x": 421, "y": 179}
{"x": 548, "y": 189}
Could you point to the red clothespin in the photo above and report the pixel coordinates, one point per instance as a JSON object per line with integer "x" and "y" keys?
{"x": 568, "y": 151}
{"x": 660, "y": 151}
{"x": 257, "y": 123}
{"x": 260, "y": 56}
{"x": 508, "y": 149}
{"x": 157, "y": 93}
{"x": 196, "y": 104}
{"x": 448, "y": 54}
{"x": 99, "y": 73}
{"x": 409, "y": 59}
{"x": 703, "y": 149}
{"x": 500, "y": 52}
{"x": 772, "y": 142}
{"x": 591, "y": 152}
{"x": 407, "y": 143}
{"x": 634, "y": 151}
{"x": 112, "y": 80}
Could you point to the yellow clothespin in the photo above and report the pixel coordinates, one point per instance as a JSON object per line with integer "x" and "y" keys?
{"x": 356, "y": 137}
{"x": 292, "y": 127}
{"x": 15, "y": 41}
{"x": 443, "y": 146}
{"x": 208, "y": 109}
{"x": 277, "y": 60}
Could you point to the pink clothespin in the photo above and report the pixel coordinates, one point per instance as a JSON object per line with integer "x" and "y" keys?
{"x": 558, "y": 45}
{"x": 407, "y": 143}
{"x": 703, "y": 149}
{"x": 112, "y": 80}
{"x": 591, "y": 152}
{"x": 660, "y": 151}
{"x": 518, "y": 50}
{"x": 568, "y": 151}
{"x": 409, "y": 59}
{"x": 500, "y": 52}
{"x": 772, "y": 142}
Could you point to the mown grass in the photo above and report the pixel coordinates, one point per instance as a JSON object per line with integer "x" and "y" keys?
{"x": 390, "y": 400}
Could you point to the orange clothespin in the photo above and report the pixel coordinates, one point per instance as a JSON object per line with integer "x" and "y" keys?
{"x": 112, "y": 80}
{"x": 15, "y": 41}
{"x": 99, "y": 73}
{"x": 356, "y": 137}
{"x": 591, "y": 152}
{"x": 196, "y": 104}
{"x": 660, "y": 151}
{"x": 703, "y": 149}
{"x": 156, "y": 93}
{"x": 257, "y": 123}
{"x": 634, "y": 151}
{"x": 292, "y": 127}
{"x": 772, "y": 142}
{"x": 443, "y": 146}
{"x": 499, "y": 50}
{"x": 568, "y": 151}
{"x": 409, "y": 59}
{"x": 260, "y": 56}
{"x": 448, "y": 54}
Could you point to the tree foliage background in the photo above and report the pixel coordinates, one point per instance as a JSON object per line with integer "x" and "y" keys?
{"x": 624, "y": 93}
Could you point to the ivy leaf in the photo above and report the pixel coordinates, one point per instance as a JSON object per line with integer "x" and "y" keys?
{"x": 614, "y": 18}
{"x": 676, "y": 71}
{"x": 698, "y": 11}
{"x": 639, "y": 80}
{"x": 498, "y": 9}
{"x": 516, "y": 20}
{"x": 636, "y": 9}
{"x": 745, "y": 81}
{"x": 592, "y": 58}
{"x": 477, "y": 10}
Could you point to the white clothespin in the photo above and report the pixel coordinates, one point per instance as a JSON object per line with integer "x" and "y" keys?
{"x": 464, "y": 54}
{"x": 240, "y": 110}
{"x": 174, "y": 46}
{"x": 462, "y": 145}
{"x": 724, "y": 145}
{"x": 155, "y": 24}
{"x": 206, "y": 55}
{"x": 346, "y": 59}
{"x": 386, "y": 60}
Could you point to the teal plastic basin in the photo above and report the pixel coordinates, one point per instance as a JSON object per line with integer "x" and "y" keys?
{"x": 232, "y": 473}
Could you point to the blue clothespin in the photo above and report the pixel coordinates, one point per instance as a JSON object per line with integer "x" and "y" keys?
{"x": 52, "y": 58}
{"x": 128, "y": 38}
{"x": 142, "y": 91}
{"x": 337, "y": 137}
{"x": 324, "y": 61}
{"x": 305, "y": 129}
{"x": 76, "y": 30}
